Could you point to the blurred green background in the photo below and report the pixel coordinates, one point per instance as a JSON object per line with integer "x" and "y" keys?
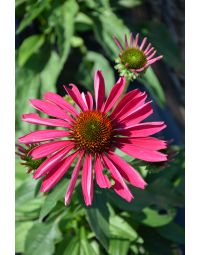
{"x": 58, "y": 42}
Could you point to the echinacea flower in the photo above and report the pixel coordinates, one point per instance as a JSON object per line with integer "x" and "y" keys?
{"x": 91, "y": 134}
{"x": 134, "y": 58}
{"x": 27, "y": 160}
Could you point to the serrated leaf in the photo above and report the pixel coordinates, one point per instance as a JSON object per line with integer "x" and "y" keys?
{"x": 29, "y": 46}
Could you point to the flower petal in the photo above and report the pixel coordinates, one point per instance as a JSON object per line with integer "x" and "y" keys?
{"x": 50, "y": 109}
{"x": 73, "y": 180}
{"x": 143, "y": 43}
{"x": 54, "y": 177}
{"x": 114, "y": 94}
{"x": 89, "y": 100}
{"x": 142, "y": 153}
{"x": 75, "y": 94}
{"x": 34, "y": 118}
{"x": 87, "y": 180}
{"x": 60, "y": 101}
{"x": 123, "y": 101}
{"x": 43, "y": 135}
{"x": 120, "y": 186}
{"x": 150, "y": 143}
{"x": 47, "y": 149}
{"x": 51, "y": 162}
{"x": 118, "y": 43}
{"x": 127, "y": 171}
{"x": 101, "y": 179}
{"x": 142, "y": 129}
{"x": 99, "y": 89}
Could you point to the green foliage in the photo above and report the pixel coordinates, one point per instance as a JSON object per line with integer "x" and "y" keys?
{"x": 55, "y": 35}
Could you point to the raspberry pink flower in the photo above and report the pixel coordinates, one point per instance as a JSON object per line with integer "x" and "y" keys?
{"x": 89, "y": 136}
{"x": 134, "y": 58}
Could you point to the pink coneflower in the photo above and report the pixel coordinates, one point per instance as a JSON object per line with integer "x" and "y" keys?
{"x": 91, "y": 134}
{"x": 134, "y": 58}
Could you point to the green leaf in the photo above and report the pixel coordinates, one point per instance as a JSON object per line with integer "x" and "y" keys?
{"x": 121, "y": 229}
{"x": 150, "y": 80}
{"x": 154, "y": 219}
{"x": 85, "y": 247}
{"x": 73, "y": 247}
{"x": 172, "y": 232}
{"x": 107, "y": 24}
{"x": 40, "y": 239}
{"x": 53, "y": 197}
{"x": 98, "y": 217}
{"x": 29, "y": 46}
{"x": 119, "y": 247}
{"x": 130, "y": 3}
{"x": 33, "y": 12}
{"x": 94, "y": 61}
{"x": 21, "y": 230}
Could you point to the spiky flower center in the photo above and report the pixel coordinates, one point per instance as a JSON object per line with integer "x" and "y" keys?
{"x": 92, "y": 131}
{"x": 134, "y": 58}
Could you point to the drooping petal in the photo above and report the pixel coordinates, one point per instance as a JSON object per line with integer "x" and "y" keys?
{"x": 142, "y": 153}
{"x": 153, "y": 60}
{"x": 84, "y": 99}
{"x": 51, "y": 162}
{"x": 150, "y": 143}
{"x": 127, "y": 171}
{"x": 99, "y": 89}
{"x": 114, "y": 94}
{"x": 120, "y": 186}
{"x": 131, "y": 40}
{"x": 87, "y": 180}
{"x": 50, "y": 109}
{"x": 136, "y": 40}
{"x": 142, "y": 129}
{"x": 60, "y": 101}
{"x": 43, "y": 135}
{"x": 34, "y": 118}
{"x": 151, "y": 56}
{"x": 44, "y": 150}
{"x": 147, "y": 48}
{"x": 126, "y": 41}
{"x": 73, "y": 180}
{"x": 101, "y": 179}
{"x": 143, "y": 43}
{"x": 89, "y": 100}
{"x": 75, "y": 94}
{"x": 53, "y": 178}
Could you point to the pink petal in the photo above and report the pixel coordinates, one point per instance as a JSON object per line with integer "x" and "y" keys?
{"x": 139, "y": 115}
{"x": 34, "y": 118}
{"x": 47, "y": 149}
{"x": 114, "y": 94}
{"x": 127, "y": 171}
{"x": 99, "y": 89}
{"x": 118, "y": 43}
{"x": 60, "y": 101}
{"x": 149, "y": 51}
{"x": 131, "y": 106}
{"x": 131, "y": 40}
{"x": 101, "y": 179}
{"x": 43, "y": 135}
{"x": 50, "y": 109}
{"x": 75, "y": 94}
{"x": 150, "y": 62}
{"x": 87, "y": 180}
{"x": 143, "y": 43}
{"x": 147, "y": 48}
{"x": 152, "y": 55}
{"x": 142, "y": 129}
{"x": 123, "y": 101}
{"x": 150, "y": 143}
{"x": 120, "y": 186}
{"x": 89, "y": 100}
{"x": 126, "y": 41}
{"x": 53, "y": 178}
{"x": 142, "y": 153}
{"x": 84, "y": 99}
{"x": 51, "y": 162}
{"x": 73, "y": 180}
{"x": 136, "y": 40}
